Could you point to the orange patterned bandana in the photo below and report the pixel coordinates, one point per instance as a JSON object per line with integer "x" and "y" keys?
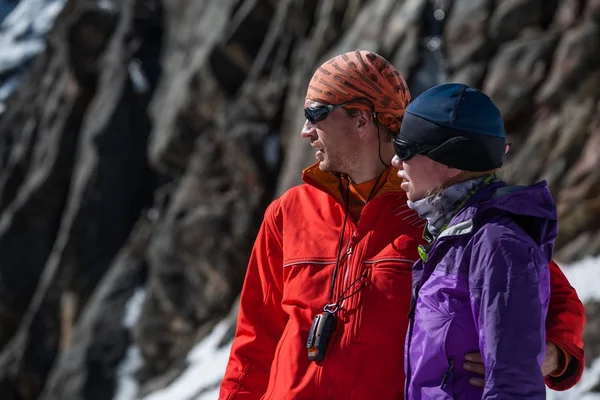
{"x": 362, "y": 74}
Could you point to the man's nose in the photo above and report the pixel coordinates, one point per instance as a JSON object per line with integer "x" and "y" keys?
{"x": 308, "y": 130}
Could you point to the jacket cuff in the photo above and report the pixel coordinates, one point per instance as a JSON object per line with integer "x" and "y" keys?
{"x": 571, "y": 375}
{"x": 565, "y": 361}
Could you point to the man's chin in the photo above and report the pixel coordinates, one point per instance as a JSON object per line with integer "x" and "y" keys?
{"x": 324, "y": 166}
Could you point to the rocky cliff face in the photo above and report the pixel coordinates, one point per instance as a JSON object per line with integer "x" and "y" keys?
{"x": 146, "y": 141}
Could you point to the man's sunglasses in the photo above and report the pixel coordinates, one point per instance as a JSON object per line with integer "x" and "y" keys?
{"x": 319, "y": 113}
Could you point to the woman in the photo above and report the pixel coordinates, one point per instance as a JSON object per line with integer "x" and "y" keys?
{"x": 482, "y": 283}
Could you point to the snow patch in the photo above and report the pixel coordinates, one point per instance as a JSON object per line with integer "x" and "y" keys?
{"x": 133, "y": 309}
{"x": 584, "y": 276}
{"x": 202, "y": 378}
{"x": 138, "y": 78}
{"x": 108, "y": 5}
{"x": 22, "y": 37}
{"x": 127, "y": 387}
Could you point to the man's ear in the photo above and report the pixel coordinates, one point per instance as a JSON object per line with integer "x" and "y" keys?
{"x": 363, "y": 120}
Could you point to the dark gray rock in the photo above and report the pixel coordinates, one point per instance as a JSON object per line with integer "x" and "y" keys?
{"x": 107, "y": 187}
{"x": 592, "y": 10}
{"x": 573, "y": 63}
{"x": 88, "y": 365}
{"x": 567, "y": 14}
{"x": 39, "y": 132}
{"x": 465, "y": 33}
{"x": 511, "y": 17}
{"x": 517, "y": 70}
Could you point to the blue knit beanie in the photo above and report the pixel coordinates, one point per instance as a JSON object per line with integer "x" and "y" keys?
{"x": 465, "y": 124}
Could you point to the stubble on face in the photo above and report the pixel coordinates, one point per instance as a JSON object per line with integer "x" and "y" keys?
{"x": 340, "y": 158}
{"x": 339, "y": 151}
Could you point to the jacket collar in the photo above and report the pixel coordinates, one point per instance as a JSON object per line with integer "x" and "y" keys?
{"x": 330, "y": 182}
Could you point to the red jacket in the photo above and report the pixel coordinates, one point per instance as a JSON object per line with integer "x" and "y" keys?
{"x": 288, "y": 282}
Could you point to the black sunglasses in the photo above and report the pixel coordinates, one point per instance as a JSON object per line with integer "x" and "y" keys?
{"x": 319, "y": 113}
{"x": 405, "y": 151}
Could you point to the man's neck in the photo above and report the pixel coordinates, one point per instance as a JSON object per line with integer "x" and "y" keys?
{"x": 374, "y": 167}
{"x": 367, "y": 174}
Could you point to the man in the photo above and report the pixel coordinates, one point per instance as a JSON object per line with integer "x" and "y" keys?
{"x": 323, "y": 310}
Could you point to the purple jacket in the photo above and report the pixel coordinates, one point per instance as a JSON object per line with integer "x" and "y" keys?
{"x": 484, "y": 287}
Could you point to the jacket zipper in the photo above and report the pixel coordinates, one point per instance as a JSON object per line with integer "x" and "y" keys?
{"x": 411, "y": 317}
{"x": 447, "y": 374}
{"x": 404, "y": 260}
{"x": 316, "y": 262}
{"x": 346, "y": 261}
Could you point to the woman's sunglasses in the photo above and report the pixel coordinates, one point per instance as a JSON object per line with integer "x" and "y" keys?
{"x": 405, "y": 151}
{"x": 319, "y": 113}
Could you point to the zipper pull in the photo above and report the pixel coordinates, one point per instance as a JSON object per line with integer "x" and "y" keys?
{"x": 413, "y": 302}
{"x": 423, "y": 252}
{"x": 447, "y": 374}
{"x": 413, "y": 305}
{"x": 351, "y": 245}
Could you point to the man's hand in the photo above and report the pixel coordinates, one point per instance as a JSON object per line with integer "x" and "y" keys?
{"x": 553, "y": 360}
{"x": 474, "y": 363}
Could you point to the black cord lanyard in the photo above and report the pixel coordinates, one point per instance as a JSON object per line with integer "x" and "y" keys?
{"x": 340, "y": 244}
{"x": 333, "y": 307}
{"x": 324, "y": 323}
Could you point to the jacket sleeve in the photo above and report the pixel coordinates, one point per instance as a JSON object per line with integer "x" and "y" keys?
{"x": 509, "y": 288}
{"x": 261, "y": 320}
{"x": 564, "y": 327}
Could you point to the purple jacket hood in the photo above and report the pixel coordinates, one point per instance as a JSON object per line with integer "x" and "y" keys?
{"x": 532, "y": 208}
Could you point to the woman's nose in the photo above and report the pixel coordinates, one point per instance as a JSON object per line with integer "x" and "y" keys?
{"x": 396, "y": 162}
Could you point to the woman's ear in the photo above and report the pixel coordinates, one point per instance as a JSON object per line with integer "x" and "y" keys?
{"x": 453, "y": 173}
